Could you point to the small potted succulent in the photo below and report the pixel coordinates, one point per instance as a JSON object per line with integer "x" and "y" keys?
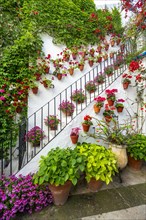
{"x": 90, "y": 86}
{"x": 35, "y": 135}
{"x": 78, "y": 96}
{"x": 52, "y": 122}
{"x": 119, "y": 105}
{"x": 87, "y": 123}
{"x": 99, "y": 103}
{"x": 126, "y": 80}
{"x": 74, "y": 135}
{"x": 136, "y": 148}
{"x": 67, "y": 107}
{"x": 100, "y": 78}
{"x": 111, "y": 96}
{"x": 109, "y": 70}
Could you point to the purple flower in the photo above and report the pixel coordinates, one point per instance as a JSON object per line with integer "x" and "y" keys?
{"x": 2, "y": 98}
{"x": 2, "y": 90}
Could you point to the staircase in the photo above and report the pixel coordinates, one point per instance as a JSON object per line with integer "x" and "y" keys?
{"x": 23, "y": 153}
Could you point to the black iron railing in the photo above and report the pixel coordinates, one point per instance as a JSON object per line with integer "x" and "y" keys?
{"x": 23, "y": 152}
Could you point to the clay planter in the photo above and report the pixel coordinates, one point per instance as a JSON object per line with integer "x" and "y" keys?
{"x": 85, "y": 127}
{"x": 45, "y": 84}
{"x": 81, "y": 67}
{"x": 120, "y": 154}
{"x": 96, "y": 108}
{"x": 60, "y": 193}
{"x": 53, "y": 127}
{"x": 37, "y": 144}
{"x": 105, "y": 57}
{"x": 94, "y": 185}
{"x": 108, "y": 118}
{"x": 19, "y": 109}
{"x": 106, "y": 47}
{"x": 92, "y": 53}
{"x": 90, "y": 63}
{"x": 120, "y": 109}
{"x": 71, "y": 71}
{"x": 66, "y": 58}
{"x": 67, "y": 113}
{"x": 35, "y": 90}
{"x": 118, "y": 41}
{"x": 125, "y": 85}
{"x": 134, "y": 164}
{"x": 83, "y": 54}
{"x": 99, "y": 60}
{"x": 110, "y": 102}
{"x": 112, "y": 43}
{"x": 99, "y": 48}
{"x": 111, "y": 55}
{"x": 37, "y": 76}
{"x": 92, "y": 91}
{"x": 74, "y": 56}
{"x": 74, "y": 138}
{"x": 47, "y": 69}
{"x": 59, "y": 76}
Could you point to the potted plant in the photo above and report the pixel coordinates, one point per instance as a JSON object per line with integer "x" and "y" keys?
{"x": 99, "y": 103}
{"x": 91, "y": 60}
{"x": 74, "y": 51}
{"x": 81, "y": 64}
{"x": 98, "y": 59}
{"x": 111, "y": 96}
{"x": 119, "y": 105}
{"x": 60, "y": 169}
{"x": 47, "y": 83}
{"x": 66, "y": 54}
{"x": 67, "y": 107}
{"x": 136, "y": 148}
{"x": 90, "y": 86}
{"x": 87, "y": 123}
{"x": 96, "y": 159}
{"x": 34, "y": 136}
{"x": 83, "y": 51}
{"x": 72, "y": 66}
{"x": 74, "y": 135}
{"x": 99, "y": 48}
{"x": 100, "y": 78}
{"x": 126, "y": 80}
{"x": 108, "y": 113}
{"x": 92, "y": 51}
{"x": 109, "y": 70}
{"x": 52, "y": 121}
{"x": 78, "y": 96}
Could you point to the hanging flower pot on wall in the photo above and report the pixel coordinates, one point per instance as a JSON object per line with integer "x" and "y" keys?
{"x": 74, "y": 138}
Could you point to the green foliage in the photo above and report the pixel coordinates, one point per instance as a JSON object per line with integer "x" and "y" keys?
{"x": 117, "y": 21}
{"x": 59, "y": 166}
{"x": 137, "y": 146}
{"x": 100, "y": 162}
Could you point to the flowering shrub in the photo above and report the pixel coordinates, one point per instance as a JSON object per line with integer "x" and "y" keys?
{"x": 134, "y": 65}
{"x": 99, "y": 101}
{"x": 126, "y": 78}
{"x": 119, "y": 103}
{"x": 35, "y": 135}
{"x": 78, "y": 95}
{"x": 52, "y": 120}
{"x": 87, "y": 120}
{"x": 75, "y": 131}
{"x": 111, "y": 94}
{"x": 90, "y": 86}
{"x": 67, "y": 106}
{"x": 20, "y": 194}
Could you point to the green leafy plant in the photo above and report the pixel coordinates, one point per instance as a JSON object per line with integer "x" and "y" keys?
{"x": 90, "y": 86}
{"x": 59, "y": 166}
{"x": 78, "y": 96}
{"x": 137, "y": 146}
{"x": 100, "y": 163}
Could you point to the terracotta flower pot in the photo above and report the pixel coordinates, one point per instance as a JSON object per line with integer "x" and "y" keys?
{"x": 36, "y": 144}
{"x": 71, "y": 71}
{"x": 120, "y": 109}
{"x": 112, "y": 43}
{"x": 45, "y": 84}
{"x": 94, "y": 185}
{"x": 134, "y": 164}
{"x": 53, "y": 127}
{"x": 85, "y": 127}
{"x": 67, "y": 113}
{"x": 92, "y": 53}
{"x": 35, "y": 90}
{"x": 81, "y": 67}
{"x": 99, "y": 60}
{"x": 108, "y": 118}
{"x": 125, "y": 85}
{"x": 110, "y": 102}
{"x": 60, "y": 193}
{"x": 47, "y": 69}
{"x": 96, "y": 108}
{"x": 19, "y": 109}
{"x": 74, "y": 56}
{"x": 74, "y": 138}
{"x": 90, "y": 63}
{"x": 59, "y": 76}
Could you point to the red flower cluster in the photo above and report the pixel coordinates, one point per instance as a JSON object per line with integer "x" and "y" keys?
{"x": 134, "y": 65}
{"x": 120, "y": 100}
{"x": 107, "y": 107}
{"x": 87, "y": 118}
{"x": 99, "y": 99}
{"x": 138, "y": 77}
{"x": 111, "y": 92}
{"x": 126, "y": 76}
